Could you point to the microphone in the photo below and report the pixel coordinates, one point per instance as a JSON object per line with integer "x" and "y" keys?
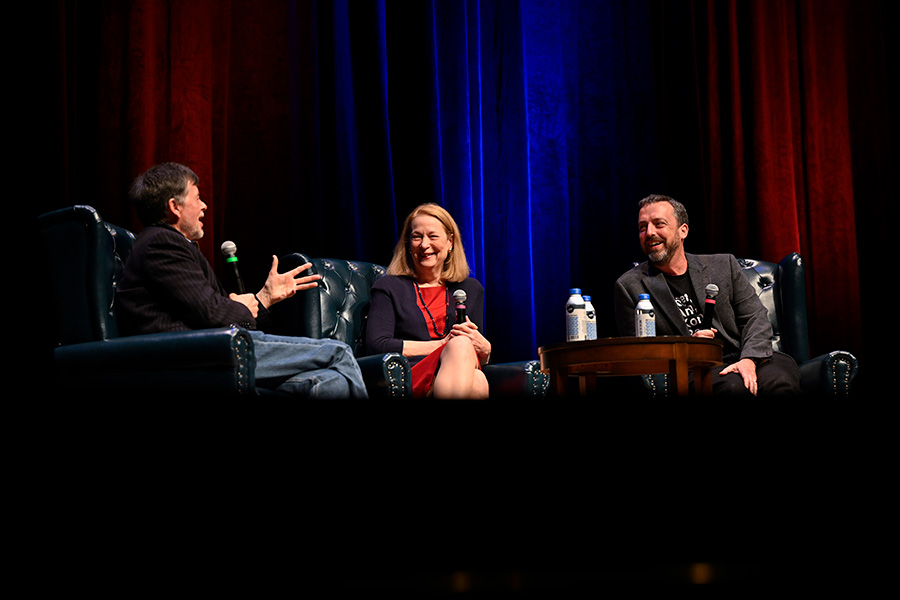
{"x": 709, "y": 311}
{"x": 460, "y": 297}
{"x": 230, "y": 250}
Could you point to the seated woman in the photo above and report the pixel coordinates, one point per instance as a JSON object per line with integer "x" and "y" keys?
{"x": 411, "y": 312}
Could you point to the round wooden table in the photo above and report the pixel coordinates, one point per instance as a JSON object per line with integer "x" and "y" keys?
{"x": 675, "y": 355}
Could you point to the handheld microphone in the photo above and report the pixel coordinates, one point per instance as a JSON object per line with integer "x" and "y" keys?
{"x": 460, "y": 297}
{"x": 229, "y": 249}
{"x": 709, "y": 311}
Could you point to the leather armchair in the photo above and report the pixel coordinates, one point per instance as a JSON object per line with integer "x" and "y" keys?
{"x": 339, "y": 311}
{"x": 86, "y": 257}
{"x": 782, "y": 289}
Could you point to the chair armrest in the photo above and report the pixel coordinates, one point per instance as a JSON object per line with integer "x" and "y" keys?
{"x": 386, "y": 376}
{"x": 522, "y": 379}
{"x": 830, "y": 374}
{"x": 209, "y": 360}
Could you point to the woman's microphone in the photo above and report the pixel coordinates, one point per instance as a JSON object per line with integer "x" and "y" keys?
{"x": 460, "y": 297}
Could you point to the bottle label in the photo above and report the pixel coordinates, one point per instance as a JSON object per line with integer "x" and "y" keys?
{"x": 590, "y": 323}
{"x": 575, "y": 326}
{"x": 645, "y": 324}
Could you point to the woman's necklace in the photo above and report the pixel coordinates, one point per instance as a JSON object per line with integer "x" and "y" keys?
{"x": 430, "y": 316}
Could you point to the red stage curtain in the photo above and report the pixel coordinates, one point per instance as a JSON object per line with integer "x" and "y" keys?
{"x": 172, "y": 78}
{"x": 773, "y": 97}
{"x": 155, "y": 81}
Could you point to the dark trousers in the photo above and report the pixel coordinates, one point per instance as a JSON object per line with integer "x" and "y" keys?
{"x": 778, "y": 377}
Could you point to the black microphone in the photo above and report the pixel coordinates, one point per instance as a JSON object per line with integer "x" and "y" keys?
{"x": 460, "y": 297}
{"x": 709, "y": 311}
{"x": 230, "y": 251}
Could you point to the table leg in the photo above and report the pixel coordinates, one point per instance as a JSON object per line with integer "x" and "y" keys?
{"x": 561, "y": 379}
{"x": 587, "y": 384}
{"x": 679, "y": 370}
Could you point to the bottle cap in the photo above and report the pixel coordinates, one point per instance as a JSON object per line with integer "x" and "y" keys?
{"x": 643, "y": 296}
{"x": 577, "y": 291}
{"x": 587, "y": 298}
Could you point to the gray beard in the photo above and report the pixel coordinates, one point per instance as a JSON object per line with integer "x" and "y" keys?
{"x": 663, "y": 255}
{"x": 660, "y": 257}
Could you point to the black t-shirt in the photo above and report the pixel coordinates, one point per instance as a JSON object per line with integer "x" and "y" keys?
{"x": 687, "y": 303}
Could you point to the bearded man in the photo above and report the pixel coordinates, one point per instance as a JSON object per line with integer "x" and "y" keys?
{"x": 676, "y": 281}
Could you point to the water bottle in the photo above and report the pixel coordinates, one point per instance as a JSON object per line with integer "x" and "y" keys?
{"x": 575, "y": 316}
{"x": 644, "y": 317}
{"x": 590, "y": 319}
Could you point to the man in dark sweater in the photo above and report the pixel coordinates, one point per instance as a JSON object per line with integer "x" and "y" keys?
{"x": 168, "y": 285}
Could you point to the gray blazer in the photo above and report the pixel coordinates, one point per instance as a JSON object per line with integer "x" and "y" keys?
{"x": 741, "y": 319}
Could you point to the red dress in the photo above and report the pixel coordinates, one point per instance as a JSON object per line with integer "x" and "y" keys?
{"x": 435, "y": 313}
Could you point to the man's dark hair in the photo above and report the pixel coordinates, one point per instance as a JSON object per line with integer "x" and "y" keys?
{"x": 151, "y": 190}
{"x": 680, "y": 211}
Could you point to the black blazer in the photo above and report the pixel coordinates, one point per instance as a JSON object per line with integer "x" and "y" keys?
{"x": 741, "y": 319}
{"x": 168, "y": 285}
{"x": 394, "y": 315}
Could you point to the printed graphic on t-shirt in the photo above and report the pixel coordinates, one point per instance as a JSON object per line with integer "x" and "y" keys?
{"x": 693, "y": 317}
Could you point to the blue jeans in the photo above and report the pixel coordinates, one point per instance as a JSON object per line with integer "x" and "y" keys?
{"x": 318, "y": 369}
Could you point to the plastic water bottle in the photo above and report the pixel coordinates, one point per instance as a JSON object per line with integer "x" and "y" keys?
{"x": 575, "y": 317}
{"x": 644, "y": 317}
{"x": 590, "y": 319}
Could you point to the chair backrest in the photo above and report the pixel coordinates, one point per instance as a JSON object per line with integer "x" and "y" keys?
{"x": 338, "y": 307}
{"x": 781, "y": 288}
{"x": 86, "y": 258}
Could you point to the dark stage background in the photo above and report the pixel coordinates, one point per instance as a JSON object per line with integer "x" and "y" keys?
{"x": 317, "y": 126}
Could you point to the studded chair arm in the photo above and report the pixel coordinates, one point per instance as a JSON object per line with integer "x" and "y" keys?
{"x": 386, "y": 376}
{"x": 829, "y": 375}
{"x": 517, "y": 379}
{"x": 212, "y": 361}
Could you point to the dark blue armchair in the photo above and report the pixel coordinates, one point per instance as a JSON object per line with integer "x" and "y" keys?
{"x": 86, "y": 257}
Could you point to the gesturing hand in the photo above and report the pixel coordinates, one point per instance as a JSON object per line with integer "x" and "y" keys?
{"x": 281, "y": 286}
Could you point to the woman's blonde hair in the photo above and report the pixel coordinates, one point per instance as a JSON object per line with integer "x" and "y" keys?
{"x": 456, "y": 268}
